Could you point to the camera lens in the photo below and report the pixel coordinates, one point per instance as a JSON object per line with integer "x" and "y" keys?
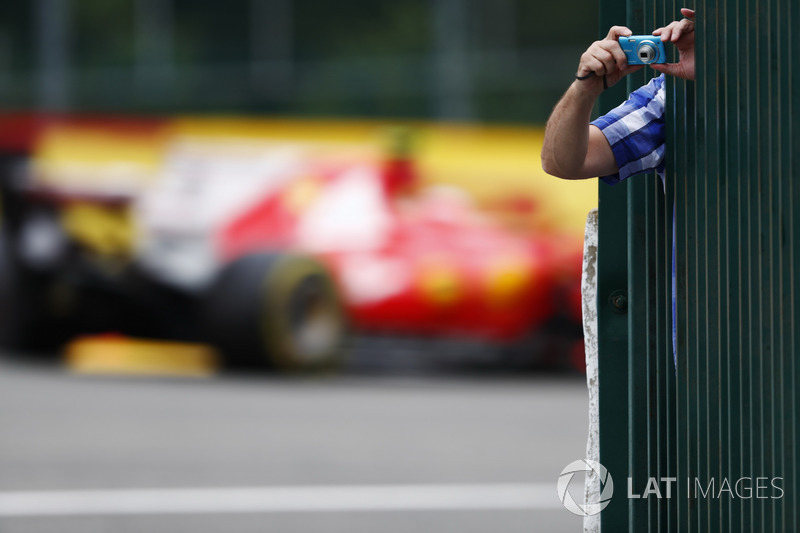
{"x": 647, "y": 53}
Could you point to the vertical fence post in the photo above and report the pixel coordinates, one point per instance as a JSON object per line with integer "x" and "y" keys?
{"x": 722, "y": 417}
{"x": 52, "y": 19}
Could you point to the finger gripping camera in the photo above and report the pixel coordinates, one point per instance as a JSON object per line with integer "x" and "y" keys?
{"x": 643, "y": 49}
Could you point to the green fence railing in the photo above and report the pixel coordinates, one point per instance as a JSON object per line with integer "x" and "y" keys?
{"x": 721, "y": 421}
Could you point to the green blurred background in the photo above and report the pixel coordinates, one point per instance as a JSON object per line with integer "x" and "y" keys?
{"x": 477, "y": 60}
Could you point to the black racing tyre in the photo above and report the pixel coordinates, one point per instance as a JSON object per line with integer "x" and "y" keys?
{"x": 280, "y": 311}
{"x": 26, "y": 321}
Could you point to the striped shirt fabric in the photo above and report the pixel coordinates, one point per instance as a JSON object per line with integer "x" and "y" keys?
{"x": 635, "y": 131}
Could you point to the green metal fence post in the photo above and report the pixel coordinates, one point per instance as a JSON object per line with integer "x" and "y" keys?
{"x": 721, "y": 419}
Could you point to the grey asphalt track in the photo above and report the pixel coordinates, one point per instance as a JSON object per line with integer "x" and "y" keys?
{"x": 66, "y": 433}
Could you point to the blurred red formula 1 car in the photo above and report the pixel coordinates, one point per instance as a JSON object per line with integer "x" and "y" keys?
{"x": 271, "y": 251}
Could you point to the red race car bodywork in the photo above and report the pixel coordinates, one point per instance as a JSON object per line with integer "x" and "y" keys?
{"x": 426, "y": 263}
{"x": 407, "y": 259}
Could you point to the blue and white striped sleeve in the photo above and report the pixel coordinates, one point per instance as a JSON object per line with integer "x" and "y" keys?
{"x": 635, "y": 130}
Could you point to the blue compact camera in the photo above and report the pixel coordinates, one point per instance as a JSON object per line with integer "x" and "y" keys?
{"x": 643, "y": 49}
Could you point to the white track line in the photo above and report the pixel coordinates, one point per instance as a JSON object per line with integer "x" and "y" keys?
{"x": 347, "y": 498}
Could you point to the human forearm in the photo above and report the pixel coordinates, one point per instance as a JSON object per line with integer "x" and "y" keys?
{"x": 566, "y": 138}
{"x": 572, "y": 148}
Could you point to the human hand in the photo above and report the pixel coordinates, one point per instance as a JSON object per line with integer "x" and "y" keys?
{"x": 681, "y": 34}
{"x": 604, "y": 62}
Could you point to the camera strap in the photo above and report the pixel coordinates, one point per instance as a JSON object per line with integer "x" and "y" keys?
{"x": 591, "y": 73}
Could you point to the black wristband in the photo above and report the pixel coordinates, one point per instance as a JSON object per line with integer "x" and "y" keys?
{"x": 581, "y": 78}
